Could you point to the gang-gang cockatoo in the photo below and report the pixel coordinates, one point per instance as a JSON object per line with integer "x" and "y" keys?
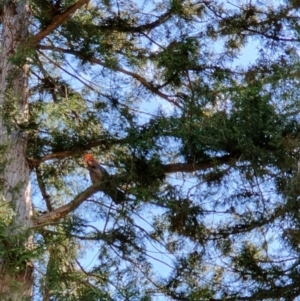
{"x": 98, "y": 174}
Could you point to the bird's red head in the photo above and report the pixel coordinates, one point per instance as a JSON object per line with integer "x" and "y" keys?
{"x": 90, "y": 160}
{"x": 95, "y": 169}
{"x": 88, "y": 157}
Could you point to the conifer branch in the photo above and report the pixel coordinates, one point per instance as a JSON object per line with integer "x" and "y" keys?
{"x": 136, "y": 76}
{"x": 58, "y": 20}
{"x": 191, "y": 167}
{"x": 167, "y": 168}
{"x": 139, "y": 28}
{"x": 103, "y": 144}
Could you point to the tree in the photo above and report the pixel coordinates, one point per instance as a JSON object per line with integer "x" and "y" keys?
{"x": 203, "y": 146}
{"x": 15, "y": 183}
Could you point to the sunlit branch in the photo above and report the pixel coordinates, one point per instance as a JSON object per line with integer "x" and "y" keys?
{"x": 57, "y": 214}
{"x": 58, "y": 20}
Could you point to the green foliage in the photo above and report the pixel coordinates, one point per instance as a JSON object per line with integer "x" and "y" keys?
{"x": 192, "y": 108}
{"x": 7, "y": 213}
{"x": 177, "y": 58}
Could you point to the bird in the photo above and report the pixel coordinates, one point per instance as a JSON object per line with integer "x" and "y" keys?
{"x": 98, "y": 174}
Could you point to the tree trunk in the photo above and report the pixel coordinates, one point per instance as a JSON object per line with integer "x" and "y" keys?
{"x": 15, "y": 281}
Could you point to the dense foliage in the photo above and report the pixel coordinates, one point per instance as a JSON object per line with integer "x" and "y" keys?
{"x": 193, "y": 108}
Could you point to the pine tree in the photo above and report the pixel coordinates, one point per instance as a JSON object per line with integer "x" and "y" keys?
{"x": 200, "y": 141}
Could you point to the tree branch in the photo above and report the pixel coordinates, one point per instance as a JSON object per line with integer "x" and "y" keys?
{"x": 136, "y": 76}
{"x": 58, "y": 155}
{"x": 168, "y": 168}
{"x": 58, "y": 20}
{"x": 148, "y": 26}
{"x": 57, "y": 214}
{"x": 104, "y": 186}
{"x": 103, "y": 144}
{"x": 42, "y": 187}
{"x": 191, "y": 167}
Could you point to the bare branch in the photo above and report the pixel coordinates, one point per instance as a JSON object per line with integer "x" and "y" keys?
{"x": 58, "y": 155}
{"x": 57, "y": 214}
{"x": 42, "y": 187}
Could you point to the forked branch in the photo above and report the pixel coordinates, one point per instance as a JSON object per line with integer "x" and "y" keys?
{"x": 57, "y": 214}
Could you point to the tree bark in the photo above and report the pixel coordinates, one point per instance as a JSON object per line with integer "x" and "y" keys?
{"x": 15, "y": 283}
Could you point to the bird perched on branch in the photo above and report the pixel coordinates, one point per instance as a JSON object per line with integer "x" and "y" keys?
{"x": 98, "y": 174}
